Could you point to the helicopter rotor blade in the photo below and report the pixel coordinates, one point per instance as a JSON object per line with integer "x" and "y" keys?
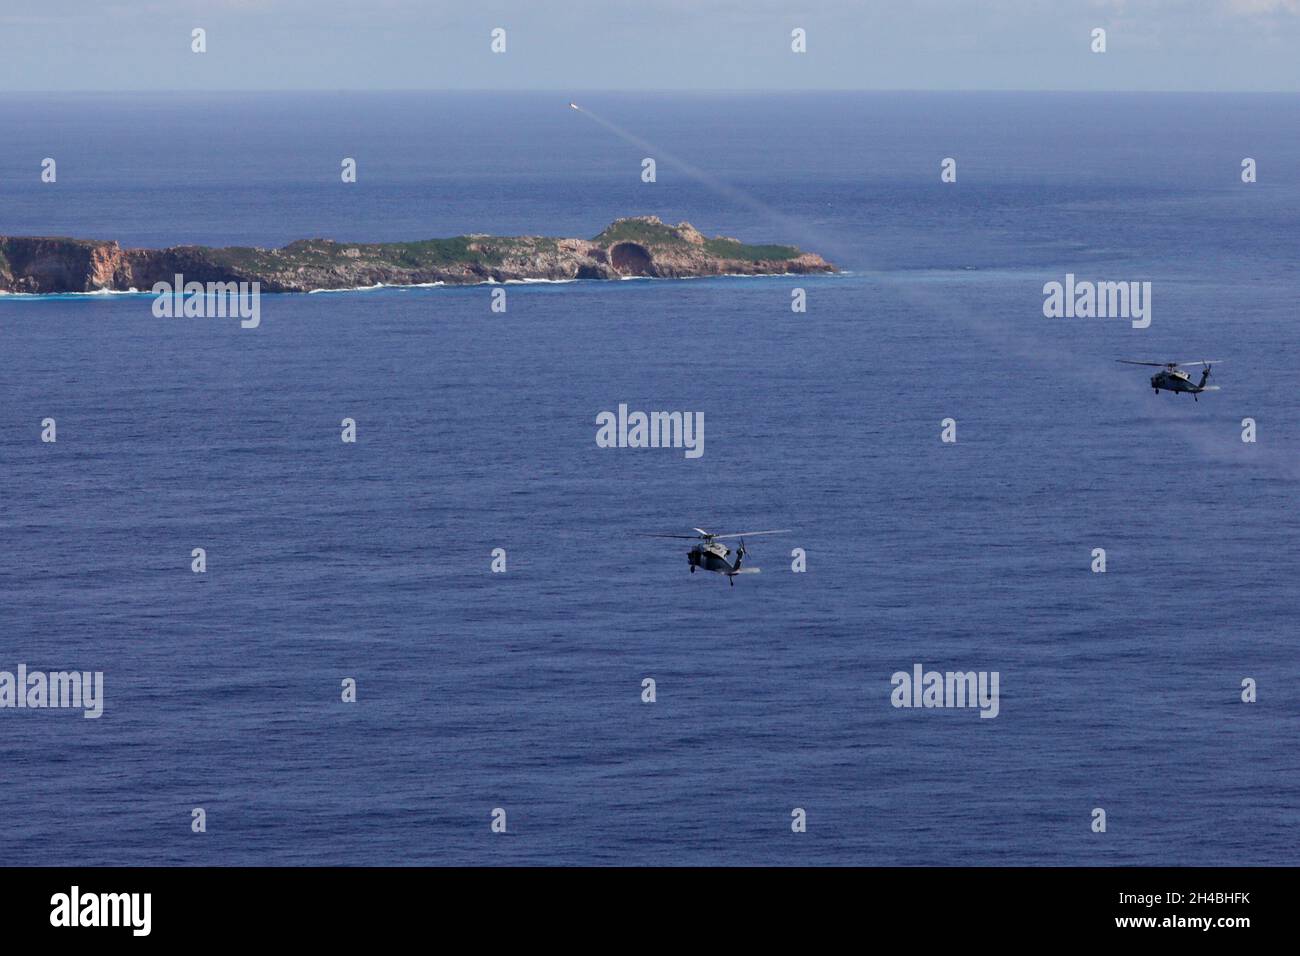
{"x": 1168, "y": 364}
{"x": 707, "y": 536}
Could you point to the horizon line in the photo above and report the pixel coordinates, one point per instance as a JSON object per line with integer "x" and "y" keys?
{"x": 652, "y": 91}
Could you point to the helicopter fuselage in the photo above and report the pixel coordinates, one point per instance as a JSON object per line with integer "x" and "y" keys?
{"x": 1173, "y": 380}
{"x": 711, "y": 556}
{"x": 1176, "y": 380}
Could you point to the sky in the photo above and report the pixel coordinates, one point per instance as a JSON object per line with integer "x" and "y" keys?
{"x": 110, "y": 45}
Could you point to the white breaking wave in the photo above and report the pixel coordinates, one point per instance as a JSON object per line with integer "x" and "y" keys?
{"x": 434, "y": 285}
{"x": 60, "y": 295}
{"x": 358, "y": 288}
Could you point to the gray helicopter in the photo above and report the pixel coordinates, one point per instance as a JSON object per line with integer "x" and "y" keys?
{"x": 710, "y": 555}
{"x": 1172, "y": 378}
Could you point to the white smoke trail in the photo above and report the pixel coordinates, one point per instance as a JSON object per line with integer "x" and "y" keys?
{"x": 1010, "y": 341}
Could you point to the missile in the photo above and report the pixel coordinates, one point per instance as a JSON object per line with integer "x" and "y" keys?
{"x": 575, "y": 106}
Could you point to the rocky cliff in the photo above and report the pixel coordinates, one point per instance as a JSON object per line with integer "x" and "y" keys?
{"x": 637, "y": 246}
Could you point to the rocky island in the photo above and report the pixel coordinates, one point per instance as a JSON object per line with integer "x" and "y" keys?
{"x": 636, "y": 246}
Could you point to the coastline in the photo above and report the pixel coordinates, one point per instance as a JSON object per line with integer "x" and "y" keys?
{"x": 630, "y": 248}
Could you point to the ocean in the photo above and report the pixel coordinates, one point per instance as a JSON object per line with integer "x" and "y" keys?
{"x": 476, "y": 431}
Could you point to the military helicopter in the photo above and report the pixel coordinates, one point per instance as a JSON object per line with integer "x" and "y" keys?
{"x": 1172, "y": 378}
{"x": 712, "y": 556}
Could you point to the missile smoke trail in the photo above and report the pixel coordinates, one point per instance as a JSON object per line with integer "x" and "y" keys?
{"x": 1013, "y": 341}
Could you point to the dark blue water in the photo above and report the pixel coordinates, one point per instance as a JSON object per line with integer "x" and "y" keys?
{"x": 476, "y": 431}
